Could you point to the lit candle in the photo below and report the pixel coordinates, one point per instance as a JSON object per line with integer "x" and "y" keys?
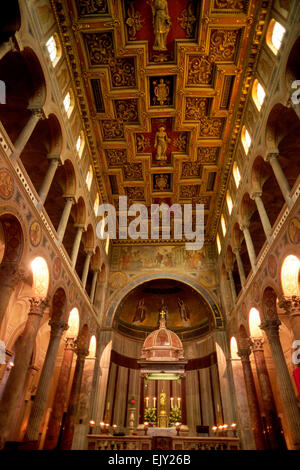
{"x": 179, "y": 401}
{"x": 147, "y": 402}
{"x": 172, "y": 404}
{"x": 154, "y": 402}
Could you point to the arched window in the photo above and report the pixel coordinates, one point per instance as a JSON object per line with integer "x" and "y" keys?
{"x": 246, "y": 139}
{"x": 54, "y": 49}
{"x": 73, "y": 323}
{"x": 69, "y": 103}
{"x": 89, "y": 177}
{"x": 258, "y": 94}
{"x": 223, "y": 225}
{"x": 80, "y": 144}
{"x": 275, "y": 35}
{"x": 234, "y": 348}
{"x": 96, "y": 205}
{"x": 40, "y": 278}
{"x": 254, "y": 322}
{"x": 92, "y": 347}
{"x": 218, "y": 244}
{"x": 290, "y": 276}
{"x": 229, "y": 202}
{"x": 236, "y": 174}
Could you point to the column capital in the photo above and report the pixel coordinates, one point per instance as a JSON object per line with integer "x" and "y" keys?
{"x": 244, "y": 353}
{"x": 291, "y": 304}
{"x": 271, "y": 327}
{"x": 57, "y": 327}
{"x": 53, "y": 157}
{"x": 244, "y": 226}
{"x": 11, "y": 274}
{"x": 255, "y": 194}
{"x": 67, "y": 197}
{"x": 38, "y": 112}
{"x": 80, "y": 227}
{"x": 70, "y": 343}
{"x": 81, "y": 352}
{"x": 257, "y": 344}
{"x": 271, "y": 156}
{"x": 38, "y": 305}
{"x": 236, "y": 249}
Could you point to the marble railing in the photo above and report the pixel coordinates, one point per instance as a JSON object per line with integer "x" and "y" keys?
{"x": 109, "y": 442}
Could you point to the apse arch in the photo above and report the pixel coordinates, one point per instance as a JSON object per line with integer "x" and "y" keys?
{"x": 215, "y": 310}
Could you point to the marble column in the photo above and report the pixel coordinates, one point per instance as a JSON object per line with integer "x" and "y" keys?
{"x": 47, "y": 181}
{"x": 64, "y": 218}
{"x": 256, "y": 196}
{"x": 86, "y": 268}
{"x": 236, "y": 251}
{"x": 18, "y": 373}
{"x": 291, "y": 305}
{"x": 280, "y": 177}
{"x": 76, "y": 245}
{"x": 250, "y": 246}
{"x": 27, "y": 130}
{"x": 60, "y": 397}
{"x": 70, "y": 421}
{"x": 232, "y": 285}
{"x": 289, "y": 401}
{"x": 40, "y": 400}
{"x": 10, "y": 275}
{"x": 240, "y": 395}
{"x": 95, "y": 385}
{"x": 256, "y": 421}
{"x": 93, "y": 287}
{"x": 269, "y": 407}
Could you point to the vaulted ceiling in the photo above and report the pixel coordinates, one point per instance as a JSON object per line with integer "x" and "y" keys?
{"x": 139, "y": 90}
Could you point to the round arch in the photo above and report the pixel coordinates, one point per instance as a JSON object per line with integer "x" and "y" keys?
{"x": 219, "y": 321}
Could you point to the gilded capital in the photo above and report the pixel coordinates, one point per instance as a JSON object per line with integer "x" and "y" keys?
{"x": 257, "y": 344}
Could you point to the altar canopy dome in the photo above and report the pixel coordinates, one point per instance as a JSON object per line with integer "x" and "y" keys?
{"x": 162, "y": 344}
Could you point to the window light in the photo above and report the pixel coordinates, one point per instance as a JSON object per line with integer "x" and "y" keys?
{"x": 236, "y": 174}
{"x": 258, "y": 94}
{"x": 229, "y": 202}
{"x": 223, "y": 225}
{"x": 275, "y": 35}
{"x": 246, "y": 139}
{"x": 219, "y": 244}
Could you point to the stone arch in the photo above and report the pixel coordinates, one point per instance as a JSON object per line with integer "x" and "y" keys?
{"x": 89, "y": 238}
{"x": 80, "y": 216}
{"x": 96, "y": 259}
{"x": 12, "y": 239}
{"x": 71, "y": 183}
{"x": 250, "y": 215}
{"x": 59, "y": 305}
{"x": 215, "y": 310}
{"x": 263, "y": 182}
{"x": 269, "y": 304}
{"x": 242, "y": 337}
{"x": 83, "y": 339}
{"x": 25, "y": 89}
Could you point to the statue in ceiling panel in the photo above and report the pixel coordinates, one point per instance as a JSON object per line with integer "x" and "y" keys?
{"x": 161, "y": 23}
{"x": 161, "y": 143}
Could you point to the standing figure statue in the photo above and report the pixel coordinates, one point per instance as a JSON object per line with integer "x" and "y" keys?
{"x": 140, "y": 312}
{"x": 161, "y": 24}
{"x": 161, "y": 143}
{"x": 183, "y": 310}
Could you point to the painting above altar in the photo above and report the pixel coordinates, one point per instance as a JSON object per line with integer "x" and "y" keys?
{"x": 186, "y": 308}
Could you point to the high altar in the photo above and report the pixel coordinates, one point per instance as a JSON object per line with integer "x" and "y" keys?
{"x": 162, "y": 369}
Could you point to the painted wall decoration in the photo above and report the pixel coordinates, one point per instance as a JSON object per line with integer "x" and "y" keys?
{"x": 294, "y": 230}
{"x": 6, "y": 184}
{"x": 186, "y": 308}
{"x": 272, "y": 266}
{"x": 35, "y": 233}
{"x": 57, "y": 268}
{"x": 135, "y": 258}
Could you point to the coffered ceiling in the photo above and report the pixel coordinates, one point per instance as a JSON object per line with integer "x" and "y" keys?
{"x": 162, "y": 114}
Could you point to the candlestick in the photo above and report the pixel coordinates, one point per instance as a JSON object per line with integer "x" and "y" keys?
{"x": 154, "y": 402}
{"x": 179, "y": 401}
{"x": 147, "y": 402}
{"x": 172, "y": 404}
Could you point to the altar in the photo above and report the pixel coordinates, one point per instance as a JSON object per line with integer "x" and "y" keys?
{"x": 162, "y": 370}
